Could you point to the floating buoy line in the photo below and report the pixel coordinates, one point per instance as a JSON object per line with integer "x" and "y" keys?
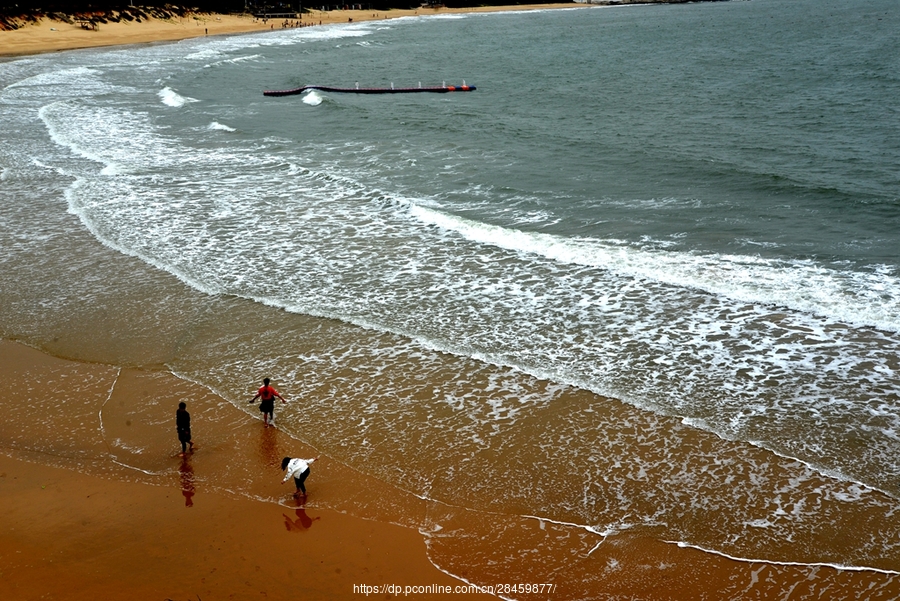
{"x": 443, "y": 88}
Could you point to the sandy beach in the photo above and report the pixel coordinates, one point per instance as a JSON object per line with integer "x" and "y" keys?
{"x": 101, "y": 538}
{"x": 103, "y": 534}
{"x": 100, "y": 505}
{"x": 107, "y": 506}
{"x": 168, "y": 531}
{"x": 49, "y": 35}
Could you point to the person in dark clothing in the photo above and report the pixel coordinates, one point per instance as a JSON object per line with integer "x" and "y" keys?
{"x": 183, "y": 425}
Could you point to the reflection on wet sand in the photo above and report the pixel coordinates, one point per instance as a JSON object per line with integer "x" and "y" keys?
{"x": 186, "y": 473}
{"x": 302, "y": 522}
{"x": 268, "y": 448}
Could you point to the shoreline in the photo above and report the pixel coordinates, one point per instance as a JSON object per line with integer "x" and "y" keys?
{"x": 125, "y": 516}
{"x": 48, "y": 35}
{"x": 96, "y": 493}
{"x": 113, "y": 539}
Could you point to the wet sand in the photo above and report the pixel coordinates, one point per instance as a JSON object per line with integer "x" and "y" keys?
{"x": 48, "y": 35}
{"x": 82, "y": 522}
{"x": 100, "y": 505}
{"x": 67, "y": 535}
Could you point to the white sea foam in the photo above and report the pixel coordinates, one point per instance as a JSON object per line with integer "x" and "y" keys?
{"x": 172, "y": 98}
{"x": 95, "y": 133}
{"x": 447, "y": 17}
{"x": 56, "y": 78}
{"x": 215, "y": 125}
{"x": 49, "y": 86}
{"x": 493, "y": 296}
{"x": 852, "y": 297}
{"x": 205, "y": 53}
{"x": 836, "y": 566}
{"x": 233, "y": 61}
{"x": 60, "y": 134}
{"x": 312, "y": 98}
{"x": 240, "y": 59}
{"x": 300, "y": 35}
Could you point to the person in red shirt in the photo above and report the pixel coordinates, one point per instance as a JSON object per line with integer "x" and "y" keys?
{"x": 266, "y": 395}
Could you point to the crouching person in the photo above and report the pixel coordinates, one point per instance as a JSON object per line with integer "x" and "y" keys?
{"x": 298, "y": 469}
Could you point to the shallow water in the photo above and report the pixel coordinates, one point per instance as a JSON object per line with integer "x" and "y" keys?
{"x": 690, "y": 208}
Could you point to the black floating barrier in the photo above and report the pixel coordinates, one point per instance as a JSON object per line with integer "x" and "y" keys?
{"x": 391, "y": 90}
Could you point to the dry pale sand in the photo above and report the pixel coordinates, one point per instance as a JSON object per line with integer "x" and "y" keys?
{"x": 50, "y": 36}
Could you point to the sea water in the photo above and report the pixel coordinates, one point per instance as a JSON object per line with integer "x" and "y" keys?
{"x": 691, "y": 209}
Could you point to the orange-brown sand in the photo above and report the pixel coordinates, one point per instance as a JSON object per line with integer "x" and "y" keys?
{"x": 98, "y": 505}
{"x": 66, "y": 535}
{"x": 49, "y": 35}
{"x": 75, "y": 525}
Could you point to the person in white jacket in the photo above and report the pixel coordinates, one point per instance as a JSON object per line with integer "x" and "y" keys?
{"x": 299, "y": 470}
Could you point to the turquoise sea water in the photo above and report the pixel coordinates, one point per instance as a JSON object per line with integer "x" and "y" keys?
{"x": 693, "y": 209}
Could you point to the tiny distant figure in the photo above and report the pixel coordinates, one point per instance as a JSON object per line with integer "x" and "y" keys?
{"x": 266, "y": 395}
{"x": 183, "y": 425}
{"x": 298, "y": 469}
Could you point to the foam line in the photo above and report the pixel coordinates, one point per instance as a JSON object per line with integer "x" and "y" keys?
{"x": 137, "y": 469}
{"x": 100, "y": 412}
{"x": 799, "y": 285}
{"x": 800, "y": 564}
